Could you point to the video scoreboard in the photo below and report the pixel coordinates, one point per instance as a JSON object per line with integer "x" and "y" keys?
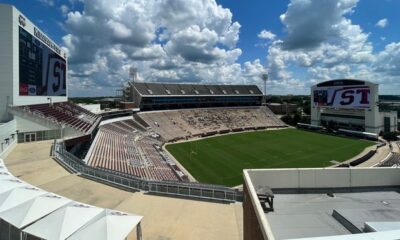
{"x": 42, "y": 71}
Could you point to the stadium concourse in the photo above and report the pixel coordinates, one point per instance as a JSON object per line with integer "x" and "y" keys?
{"x": 164, "y": 217}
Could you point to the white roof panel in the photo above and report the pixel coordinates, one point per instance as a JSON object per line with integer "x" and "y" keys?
{"x": 112, "y": 225}
{"x": 33, "y": 210}
{"x": 5, "y": 175}
{"x": 17, "y": 196}
{"x": 2, "y": 165}
{"x": 64, "y": 221}
{"x": 10, "y": 183}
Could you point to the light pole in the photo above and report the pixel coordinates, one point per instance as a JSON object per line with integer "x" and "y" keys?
{"x": 264, "y": 77}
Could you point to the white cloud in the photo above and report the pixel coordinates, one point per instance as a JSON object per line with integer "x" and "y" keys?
{"x": 382, "y": 23}
{"x": 167, "y": 40}
{"x": 196, "y": 41}
{"x": 310, "y": 23}
{"x": 49, "y": 3}
{"x": 267, "y": 35}
{"x": 64, "y": 9}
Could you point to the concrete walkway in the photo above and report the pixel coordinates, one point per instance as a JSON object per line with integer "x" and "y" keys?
{"x": 165, "y": 218}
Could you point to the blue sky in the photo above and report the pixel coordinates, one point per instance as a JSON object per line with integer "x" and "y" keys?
{"x": 221, "y": 41}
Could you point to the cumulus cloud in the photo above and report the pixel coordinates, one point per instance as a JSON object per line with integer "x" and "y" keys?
{"x": 309, "y": 23}
{"x": 196, "y": 41}
{"x": 64, "y": 9}
{"x": 388, "y": 60}
{"x": 267, "y": 35}
{"x": 315, "y": 50}
{"x": 382, "y": 23}
{"x": 167, "y": 40}
{"x": 49, "y": 3}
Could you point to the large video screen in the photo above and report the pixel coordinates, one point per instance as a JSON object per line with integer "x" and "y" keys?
{"x": 42, "y": 72}
{"x": 342, "y": 97}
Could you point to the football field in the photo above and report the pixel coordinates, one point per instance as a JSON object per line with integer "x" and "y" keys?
{"x": 220, "y": 160}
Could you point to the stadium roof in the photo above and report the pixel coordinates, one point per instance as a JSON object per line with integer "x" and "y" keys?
{"x": 163, "y": 89}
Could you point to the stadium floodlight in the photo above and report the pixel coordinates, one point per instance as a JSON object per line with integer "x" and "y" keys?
{"x": 264, "y": 77}
{"x": 133, "y": 73}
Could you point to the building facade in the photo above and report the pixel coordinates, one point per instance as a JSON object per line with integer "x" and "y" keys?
{"x": 350, "y": 104}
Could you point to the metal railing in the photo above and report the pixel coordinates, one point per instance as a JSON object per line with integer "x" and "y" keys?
{"x": 129, "y": 182}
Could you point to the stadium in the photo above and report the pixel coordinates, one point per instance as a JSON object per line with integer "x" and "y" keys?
{"x": 185, "y": 161}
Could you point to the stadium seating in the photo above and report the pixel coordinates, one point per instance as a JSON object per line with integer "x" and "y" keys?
{"x": 64, "y": 113}
{"x": 186, "y": 123}
{"x": 132, "y": 147}
{"x": 392, "y": 161}
{"x": 121, "y": 147}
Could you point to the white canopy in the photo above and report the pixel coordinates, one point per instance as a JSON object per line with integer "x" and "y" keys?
{"x": 63, "y": 222}
{"x": 113, "y": 225}
{"x": 9, "y": 184}
{"x": 2, "y": 165}
{"x": 33, "y": 210}
{"x": 17, "y": 196}
{"x": 49, "y": 216}
{"x": 5, "y": 175}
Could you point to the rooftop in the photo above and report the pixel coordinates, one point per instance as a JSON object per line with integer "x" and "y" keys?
{"x": 314, "y": 203}
{"x": 317, "y": 214}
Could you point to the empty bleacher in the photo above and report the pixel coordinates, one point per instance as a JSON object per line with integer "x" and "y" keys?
{"x": 121, "y": 147}
{"x": 186, "y": 123}
{"x": 392, "y": 161}
{"x": 64, "y": 113}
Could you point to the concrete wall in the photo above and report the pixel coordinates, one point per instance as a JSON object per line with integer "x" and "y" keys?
{"x": 6, "y": 61}
{"x": 7, "y": 129}
{"x": 5, "y": 132}
{"x": 325, "y": 177}
{"x": 251, "y": 226}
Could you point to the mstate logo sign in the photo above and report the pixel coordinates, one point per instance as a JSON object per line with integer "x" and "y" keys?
{"x": 342, "y": 97}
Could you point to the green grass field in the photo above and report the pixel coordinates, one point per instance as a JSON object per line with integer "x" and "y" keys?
{"x": 220, "y": 160}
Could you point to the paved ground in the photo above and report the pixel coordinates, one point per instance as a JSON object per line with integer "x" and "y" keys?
{"x": 164, "y": 218}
